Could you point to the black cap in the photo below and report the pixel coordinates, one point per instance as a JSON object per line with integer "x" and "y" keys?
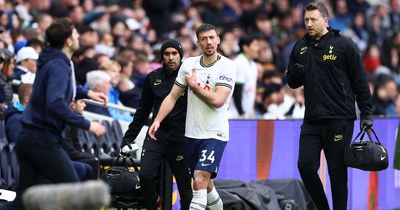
{"x": 172, "y": 43}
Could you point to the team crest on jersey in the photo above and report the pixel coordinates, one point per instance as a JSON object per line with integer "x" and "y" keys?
{"x": 329, "y": 56}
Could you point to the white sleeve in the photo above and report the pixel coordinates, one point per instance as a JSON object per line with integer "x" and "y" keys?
{"x": 181, "y": 77}
{"x": 227, "y": 76}
{"x": 240, "y": 71}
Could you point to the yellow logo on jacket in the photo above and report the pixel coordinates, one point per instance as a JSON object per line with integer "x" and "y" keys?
{"x": 329, "y": 56}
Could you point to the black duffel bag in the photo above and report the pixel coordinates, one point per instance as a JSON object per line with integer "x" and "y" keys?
{"x": 123, "y": 181}
{"x": 366, "y": 155}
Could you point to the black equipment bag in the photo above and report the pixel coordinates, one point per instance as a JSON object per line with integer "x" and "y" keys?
{"x": 122, "y": 181}
{"x": 366, "y": 155}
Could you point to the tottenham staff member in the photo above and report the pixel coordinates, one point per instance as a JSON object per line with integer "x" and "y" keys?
{"x": 170, "y": 144}
{"x": 329, "y": 66}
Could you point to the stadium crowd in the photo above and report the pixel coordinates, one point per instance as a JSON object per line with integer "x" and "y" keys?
{"x": 123, "y": 38}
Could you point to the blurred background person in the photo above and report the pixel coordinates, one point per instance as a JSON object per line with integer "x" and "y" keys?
{"x": 13, "y": 114}
{"x": 6, "y": 73}
{"x": 26, "y": 67}
{"x": 244, "y": 94}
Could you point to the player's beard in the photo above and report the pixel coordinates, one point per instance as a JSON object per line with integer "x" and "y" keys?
{"x": 209, "y": 53}
{"x": 172, "y": 66}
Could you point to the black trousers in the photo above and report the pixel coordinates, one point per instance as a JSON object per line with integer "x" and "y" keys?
{"x": 40, "y": 156}
{"x": 153, "y": 153}
{"x": 332, "y": 137}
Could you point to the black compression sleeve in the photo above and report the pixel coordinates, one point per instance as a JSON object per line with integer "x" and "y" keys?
{"x": 237, "y": 98}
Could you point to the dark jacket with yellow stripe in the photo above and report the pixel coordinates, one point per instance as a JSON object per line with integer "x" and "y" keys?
{"x": 333, "y": 78}
{"x": 157, "y": 86}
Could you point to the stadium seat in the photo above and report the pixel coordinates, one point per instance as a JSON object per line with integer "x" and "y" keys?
{"x": 105, "y": 141}
{"x": 6, "y": 172}
{"x": 83, "y": 137}
{"x": 3, "y": 182}
{"x": 3, "y": 136}
{"x": 118, "y": 135}
{"x": 93, "y": 144}
{"x": 14, "y": 166}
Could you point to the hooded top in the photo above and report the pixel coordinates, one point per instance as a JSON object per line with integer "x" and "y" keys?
{"x": 12, "y": 119}
{"x": 48, "y": 109}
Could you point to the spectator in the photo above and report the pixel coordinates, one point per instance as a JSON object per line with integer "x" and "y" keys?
{"x": 383, "y": 99}
{"x": 341, "y": 19}
{"x": 89, "y": 37}
{"x": 376, "y": 33}
{"x": 229, "y": 44}
{"x": 270, "y": 95}
{"x": 43, "y": 21}
{"x": 372, "y": 58}
{"x": 263, "y": 26}
{"x": 127, "y": 70}
{"x": 279, "y": 103}
{"x": 106, "y": 45}
{"x": 74, "y": 149}
{"x": 160, "y": 14}
{"x": 6, "y": 73}
{"x": 84, "y": 62}
{"x": 394, "y": 15}
{"x": 213, "y": 13}
{"x": 265, "y": 59}
{"x": 381, "y": 11}
{"x": 26, "y": 66}
{"x": 358, "y": 32}
{"x": 13, "y": 114}
{"x": 36, "y": 44}
{"x": 129, "y": 96}
{"x": 99, "y": 81}
{"x": 356, "y": 6}
{"x": 113, "y": 68}
{"x": 141, "y": 68}
{"x": 189, "y": 48}
{"x": 297, "y": 109}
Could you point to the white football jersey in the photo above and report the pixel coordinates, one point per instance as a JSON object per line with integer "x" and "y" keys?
{"x": 202, "y": 120}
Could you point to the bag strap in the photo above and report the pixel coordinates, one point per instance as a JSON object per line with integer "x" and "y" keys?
{"x": 359, "y": 133}
{"x": 368, "y": 131}
{"x": 369, "y": 135}
{"x": 125, "y": 162}
{"x": 134, "y": 164}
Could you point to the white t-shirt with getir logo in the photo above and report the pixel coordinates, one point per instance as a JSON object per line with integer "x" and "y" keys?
{"x": 202, "y": 120}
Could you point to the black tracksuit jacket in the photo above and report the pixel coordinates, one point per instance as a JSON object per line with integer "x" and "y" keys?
{"x": 333, "y": 78}
{"x": 157, "y": 86}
